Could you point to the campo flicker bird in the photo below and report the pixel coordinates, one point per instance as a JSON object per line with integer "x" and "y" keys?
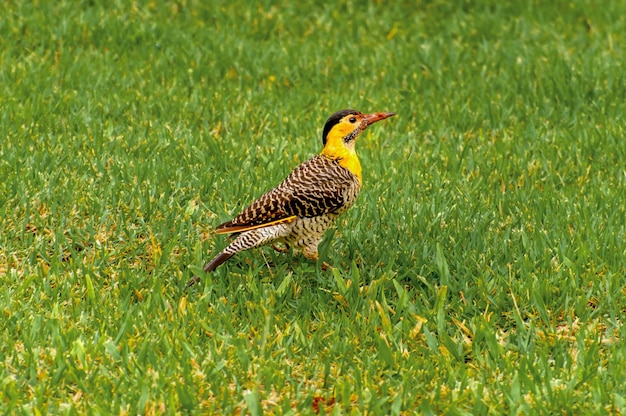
{"x": 299, "y": 210}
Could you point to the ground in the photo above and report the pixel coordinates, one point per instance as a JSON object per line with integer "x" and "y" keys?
{"x": 481, "y": 271}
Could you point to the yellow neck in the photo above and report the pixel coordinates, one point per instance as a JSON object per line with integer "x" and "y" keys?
{"x": 336, "y": 149}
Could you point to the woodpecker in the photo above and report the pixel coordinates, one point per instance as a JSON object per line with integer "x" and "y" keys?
{"x": 302, "y": 207}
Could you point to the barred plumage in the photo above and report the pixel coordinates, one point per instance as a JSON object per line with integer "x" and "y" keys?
{"x": 318, "y": 186}
{"x": 302, "y": 207}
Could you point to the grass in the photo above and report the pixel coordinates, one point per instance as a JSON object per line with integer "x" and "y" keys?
{"x": 482, "y": 270}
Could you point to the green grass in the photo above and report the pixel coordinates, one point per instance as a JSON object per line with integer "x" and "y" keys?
{"x": 482, "y": 270}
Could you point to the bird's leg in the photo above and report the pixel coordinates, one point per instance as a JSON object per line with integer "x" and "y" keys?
{"x": 280, "y": 249}
{"x": 314, "y": 255}
{"x": 311, "y": 254}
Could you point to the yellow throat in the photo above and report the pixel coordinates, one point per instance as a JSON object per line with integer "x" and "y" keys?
{"x": 343, "y": 152}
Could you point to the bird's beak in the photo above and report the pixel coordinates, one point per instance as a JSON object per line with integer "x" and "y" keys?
{"x": 369, "y": 119}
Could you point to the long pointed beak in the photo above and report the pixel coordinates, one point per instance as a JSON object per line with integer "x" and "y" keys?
{"x": 369, "y": 119}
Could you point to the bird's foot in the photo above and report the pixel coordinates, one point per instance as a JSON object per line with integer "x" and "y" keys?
{"x": 315, "y": 257}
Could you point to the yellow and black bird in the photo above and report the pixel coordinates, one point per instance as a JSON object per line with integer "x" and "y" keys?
{"x": 299, "y": 210}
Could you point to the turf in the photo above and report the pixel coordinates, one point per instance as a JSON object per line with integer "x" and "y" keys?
{"x": 482, "y": 270}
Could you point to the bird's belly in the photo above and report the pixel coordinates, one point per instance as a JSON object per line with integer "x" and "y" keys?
{"x": 309, "y": 230}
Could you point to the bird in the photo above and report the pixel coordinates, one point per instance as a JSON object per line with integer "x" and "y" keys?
{"x": 302, "y": 207}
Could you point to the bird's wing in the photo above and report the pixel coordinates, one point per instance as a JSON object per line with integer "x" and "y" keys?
{"x": 269, "y": 209}
{"x": 314, "y": 188}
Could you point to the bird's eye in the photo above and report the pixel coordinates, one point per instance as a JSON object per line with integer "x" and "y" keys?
{"x": 352, "y": 119}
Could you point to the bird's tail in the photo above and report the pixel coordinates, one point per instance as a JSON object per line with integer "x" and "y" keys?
{"x": 217, "y": 261}
{"x": 250, "y": 239}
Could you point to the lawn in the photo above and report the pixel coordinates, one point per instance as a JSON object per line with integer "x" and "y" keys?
{"x": 481, "y": 271}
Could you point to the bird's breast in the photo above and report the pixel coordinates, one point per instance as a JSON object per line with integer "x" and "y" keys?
{"x": 349, "y": 196}
{"x": 352, "y": 163}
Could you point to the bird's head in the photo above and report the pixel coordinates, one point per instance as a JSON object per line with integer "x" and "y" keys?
{"x": 340, "y": 133}
{"x": 342, "y": 129}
